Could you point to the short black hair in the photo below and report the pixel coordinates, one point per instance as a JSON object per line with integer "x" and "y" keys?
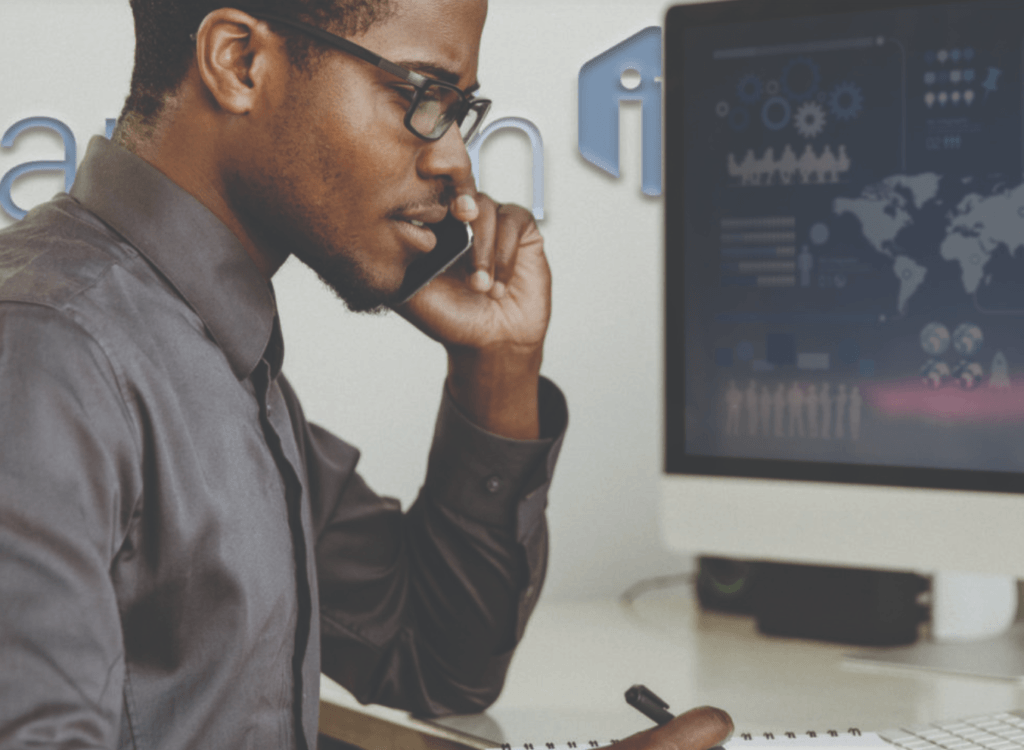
{"x": 164, "y": 47}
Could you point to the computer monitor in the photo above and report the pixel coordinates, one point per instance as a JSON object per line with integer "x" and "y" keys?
{"x": 844, "y": 291}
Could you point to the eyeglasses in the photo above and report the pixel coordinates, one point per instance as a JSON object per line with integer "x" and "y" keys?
{"x": 435, "y": 105}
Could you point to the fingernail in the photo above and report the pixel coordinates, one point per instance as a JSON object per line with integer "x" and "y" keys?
{"x": 480, "y": 281}
{"x": 498, "y": 290}
{"x": 466, "y": 206}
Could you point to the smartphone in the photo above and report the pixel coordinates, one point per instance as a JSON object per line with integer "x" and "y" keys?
{"x": 454, "y": 238}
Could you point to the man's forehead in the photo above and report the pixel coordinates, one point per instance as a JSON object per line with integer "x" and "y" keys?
{"x": 439, "y": 38}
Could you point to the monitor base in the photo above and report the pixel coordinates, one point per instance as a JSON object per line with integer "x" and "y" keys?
{"x": 972, "y": 630}
{"x": 1001, "y": 657}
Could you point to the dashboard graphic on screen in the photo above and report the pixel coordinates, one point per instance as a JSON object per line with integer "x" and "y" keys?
{"x": 845, "y": 241}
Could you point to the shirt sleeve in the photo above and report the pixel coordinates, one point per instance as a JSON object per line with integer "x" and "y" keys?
{"x": 66, "y": 485}
{"x": 421, "y": 611}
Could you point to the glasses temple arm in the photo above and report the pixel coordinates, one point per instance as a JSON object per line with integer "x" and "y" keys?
{"x": 340, "y": 42}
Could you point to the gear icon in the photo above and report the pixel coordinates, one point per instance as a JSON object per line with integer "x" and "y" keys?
{"x": 776, "y": 113}
{"x": 800, "y": 79}
{"x": 809, "y": 119}
{"x": 749, "y": 89}
{"x": 846, "y": 101}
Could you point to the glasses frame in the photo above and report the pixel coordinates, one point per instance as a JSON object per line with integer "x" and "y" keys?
{"x": 419, "y": 82}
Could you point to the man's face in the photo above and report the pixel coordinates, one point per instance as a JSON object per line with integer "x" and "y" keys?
{"x": 336, "y": 179}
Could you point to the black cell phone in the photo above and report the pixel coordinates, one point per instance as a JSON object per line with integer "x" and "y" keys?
{"x": 454, "y": 238}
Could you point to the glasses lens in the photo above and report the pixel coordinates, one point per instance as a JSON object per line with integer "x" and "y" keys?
{"x": 473, "y": 117}
{"x": 468, "y": 125}
{"x": 436, "y": 111}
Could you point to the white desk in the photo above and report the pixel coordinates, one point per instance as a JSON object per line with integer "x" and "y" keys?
{"x": 569, "y": 674}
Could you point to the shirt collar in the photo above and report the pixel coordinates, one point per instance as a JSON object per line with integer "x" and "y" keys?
{"x": 192, "y": 248}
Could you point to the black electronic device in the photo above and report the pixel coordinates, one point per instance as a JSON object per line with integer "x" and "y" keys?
{"x": 842, "y": 605}
{"x": 843, "y": 272}
{"x": 844, "y": 371}
{"x": 454, "y": 239}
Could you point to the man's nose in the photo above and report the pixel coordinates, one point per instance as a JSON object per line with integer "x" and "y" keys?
{"x": 446, "y": 157}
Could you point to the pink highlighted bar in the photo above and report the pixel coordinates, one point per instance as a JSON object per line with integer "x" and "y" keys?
{"x": 951, "y": 403}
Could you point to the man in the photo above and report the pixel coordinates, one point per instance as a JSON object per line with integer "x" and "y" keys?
{"x": 181, "y": 552}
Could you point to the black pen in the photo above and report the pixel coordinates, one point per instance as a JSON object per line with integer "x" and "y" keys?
{"x": 647, "y": 703}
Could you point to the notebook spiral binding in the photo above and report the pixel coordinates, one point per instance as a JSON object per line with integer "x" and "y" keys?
{"x": 796, "y": 740}
{"x": 852, "y": 731}
{"x": 581, "y": 745}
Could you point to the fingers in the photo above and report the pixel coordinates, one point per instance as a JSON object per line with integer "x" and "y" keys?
{"x": 484, "y": 228}
{"x": 464, "y": 208}
{"x": 698, "y": 729}
{"x": 497, "y": 234}
{"x": 513, "y": 221}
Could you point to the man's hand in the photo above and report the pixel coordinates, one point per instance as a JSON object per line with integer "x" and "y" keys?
{"x": 491, "y": 313}
{"x": 699, "y": 729}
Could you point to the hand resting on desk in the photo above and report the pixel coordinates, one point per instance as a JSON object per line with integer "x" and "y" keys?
{"x": 697, "y": 729}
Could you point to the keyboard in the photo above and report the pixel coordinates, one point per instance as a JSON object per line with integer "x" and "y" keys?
{"x": 1004, "y": 731}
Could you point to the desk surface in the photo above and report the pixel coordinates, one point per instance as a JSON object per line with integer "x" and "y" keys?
{"x": 577, "y": 658}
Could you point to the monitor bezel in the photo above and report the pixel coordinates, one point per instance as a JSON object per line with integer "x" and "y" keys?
{"x": 676, "y": 460}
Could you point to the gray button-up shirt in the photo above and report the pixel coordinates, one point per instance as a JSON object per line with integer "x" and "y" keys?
{"x": 181, "y": 552}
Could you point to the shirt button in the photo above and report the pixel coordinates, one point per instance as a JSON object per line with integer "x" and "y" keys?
{"x": 493, "y": 485}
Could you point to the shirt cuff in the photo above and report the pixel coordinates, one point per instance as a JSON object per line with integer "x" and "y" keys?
{"x": 487, "y": 477}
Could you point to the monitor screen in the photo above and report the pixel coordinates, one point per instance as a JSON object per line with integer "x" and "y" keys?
{"x": 845, "y": 241}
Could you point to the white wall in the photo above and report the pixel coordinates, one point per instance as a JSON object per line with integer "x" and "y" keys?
{"x": 375, "y": 380}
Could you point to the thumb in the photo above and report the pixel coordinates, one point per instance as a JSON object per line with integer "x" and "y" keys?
{"x": 464, "y": 207}
{"x": 697, "y": 729}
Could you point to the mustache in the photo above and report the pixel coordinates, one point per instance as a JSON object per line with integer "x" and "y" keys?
{"x": 442, "y": 197}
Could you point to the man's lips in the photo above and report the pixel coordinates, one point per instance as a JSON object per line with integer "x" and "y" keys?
{"x": 413, "y": 225}
{"x": 420, "y": 215}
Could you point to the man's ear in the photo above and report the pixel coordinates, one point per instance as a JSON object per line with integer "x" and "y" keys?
{"x": 235, "y": 55}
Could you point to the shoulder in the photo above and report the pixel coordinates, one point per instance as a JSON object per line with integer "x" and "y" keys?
{"x": 56, "y": 252}
{"x": 62, "y": 260}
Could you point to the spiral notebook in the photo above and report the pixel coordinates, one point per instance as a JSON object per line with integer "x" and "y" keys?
{"x": 827, "y": 740}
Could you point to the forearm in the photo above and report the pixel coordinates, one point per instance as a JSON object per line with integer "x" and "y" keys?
{"x": 438, "y": 598}
{"x": 498, "y": 390}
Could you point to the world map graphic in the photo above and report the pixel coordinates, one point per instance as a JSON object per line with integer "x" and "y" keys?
{"x": 898, "y": 217}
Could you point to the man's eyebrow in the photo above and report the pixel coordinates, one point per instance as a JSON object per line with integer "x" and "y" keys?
{"x": 436, "y": 71}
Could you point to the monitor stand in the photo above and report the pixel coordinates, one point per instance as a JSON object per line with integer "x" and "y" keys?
{"x": 972, "y": 630}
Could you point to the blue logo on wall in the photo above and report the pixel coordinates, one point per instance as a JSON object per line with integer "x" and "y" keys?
{"x": 602, "y": 90}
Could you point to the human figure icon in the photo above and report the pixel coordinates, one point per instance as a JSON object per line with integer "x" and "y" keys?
{"x": 765, "y": 408}
{"x": 733, "y": 406}
{"x": 787, "y": 166}
{"x": 828, "y": 166}
{"x": 856, "y": 402}
{"x": 778, "y": 410}
{"x": 842, "y": 162}
{"x": 841, "y": 399}
{"x": 825, "y": 399}
{"x": 751, "y": 402}
{"x": 811, "y": 406}
{"x": 795, "y": 402}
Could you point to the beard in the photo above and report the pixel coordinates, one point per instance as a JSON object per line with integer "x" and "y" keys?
{"x": 347, "y": 280}
{"x": 276, "y": 220}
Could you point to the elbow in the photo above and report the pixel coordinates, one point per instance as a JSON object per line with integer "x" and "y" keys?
{"x": 468, "y": 693}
